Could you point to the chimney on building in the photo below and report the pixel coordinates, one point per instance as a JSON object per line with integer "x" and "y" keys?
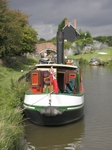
{"x": 66, "y": 22}
{"x": 75, "y": 23}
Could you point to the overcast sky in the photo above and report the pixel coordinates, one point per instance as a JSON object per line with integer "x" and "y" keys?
{"x": 45, "y": 15}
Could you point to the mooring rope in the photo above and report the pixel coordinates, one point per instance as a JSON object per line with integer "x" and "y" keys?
{"x": 25, "y": 107}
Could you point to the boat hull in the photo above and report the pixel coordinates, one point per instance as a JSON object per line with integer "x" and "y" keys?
{"x": 69, "y": 108}
{"x": 56, "y": 114}
{"x": 66, "y": 117}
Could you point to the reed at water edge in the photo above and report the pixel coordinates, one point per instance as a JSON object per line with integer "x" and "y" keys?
{"x": 11, "y": 113}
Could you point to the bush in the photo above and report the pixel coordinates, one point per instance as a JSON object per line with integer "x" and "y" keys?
{"x": 110, "y": 63}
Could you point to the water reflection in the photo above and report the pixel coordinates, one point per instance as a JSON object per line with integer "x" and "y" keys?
{"x": 51, "y": 138}
{"x": 98, "y": 108}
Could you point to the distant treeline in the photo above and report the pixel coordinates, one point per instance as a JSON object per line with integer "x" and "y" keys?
{"x": 104, "y": 39}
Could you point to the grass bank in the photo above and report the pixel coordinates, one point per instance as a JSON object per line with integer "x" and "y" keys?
{"x": 11, "y": 98}
{"x": 105, "y": 58}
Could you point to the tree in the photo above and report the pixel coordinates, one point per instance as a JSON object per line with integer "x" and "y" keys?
{"x": 67, "y": 45}
{"x": 61, "y": 25}
{"x": 41, "y": 40}
{"x": 84, "y": 35}
{"x": 29, "y": 39}
{"x": 3, "y": 13}
{"x": 104, "y": 39}
{"x": 11, "y": 27}
{"x": 16, "y": 36}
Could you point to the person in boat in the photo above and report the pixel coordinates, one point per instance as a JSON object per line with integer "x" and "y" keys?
{"x": 70, "y": 86}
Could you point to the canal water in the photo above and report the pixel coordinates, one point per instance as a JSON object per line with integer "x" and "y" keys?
{"x": 93, "y": 131}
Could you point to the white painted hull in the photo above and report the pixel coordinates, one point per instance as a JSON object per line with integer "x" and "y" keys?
{"x": 56, "y": 100}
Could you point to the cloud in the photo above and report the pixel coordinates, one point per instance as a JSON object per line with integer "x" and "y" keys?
{"x": 47, "y": 31}
{"x": 46, "y": 15}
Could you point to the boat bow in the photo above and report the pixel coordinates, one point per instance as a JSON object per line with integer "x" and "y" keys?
{"x": 51, "y": 111}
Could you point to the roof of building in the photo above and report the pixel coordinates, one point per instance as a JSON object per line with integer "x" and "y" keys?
{"x": 69, "y": 24}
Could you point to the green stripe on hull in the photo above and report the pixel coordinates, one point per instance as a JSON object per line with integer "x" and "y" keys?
{"x": 67, "y": 108}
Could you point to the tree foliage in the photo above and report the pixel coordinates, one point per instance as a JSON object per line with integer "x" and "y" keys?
{"x": 28, "y": 41}
{"x": 13, "y": 26}
{"x": 104, "y": 39}
{"x": 61, "y": 25}
{"x": 41, "y": 40}
{"x": 67, "y": 45}
{"x": 84, "y": 35}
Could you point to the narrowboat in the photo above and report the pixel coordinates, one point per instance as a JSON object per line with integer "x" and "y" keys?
{"x": 56, "y": 93}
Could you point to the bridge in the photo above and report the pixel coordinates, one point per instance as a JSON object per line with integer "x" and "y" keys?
{"x": 43, "y": 47}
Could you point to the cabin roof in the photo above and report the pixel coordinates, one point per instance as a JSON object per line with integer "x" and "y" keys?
{"x": 56, "y": 65}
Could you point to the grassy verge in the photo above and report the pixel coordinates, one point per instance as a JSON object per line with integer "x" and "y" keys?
{"x": 11, "y": 98}
{"x": 95, "y": 54}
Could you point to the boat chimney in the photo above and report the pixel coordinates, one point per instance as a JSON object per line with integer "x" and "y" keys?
{"x": 60, "y": 47}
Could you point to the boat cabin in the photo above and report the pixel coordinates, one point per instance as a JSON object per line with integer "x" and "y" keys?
{"x": 59, "y": 79}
